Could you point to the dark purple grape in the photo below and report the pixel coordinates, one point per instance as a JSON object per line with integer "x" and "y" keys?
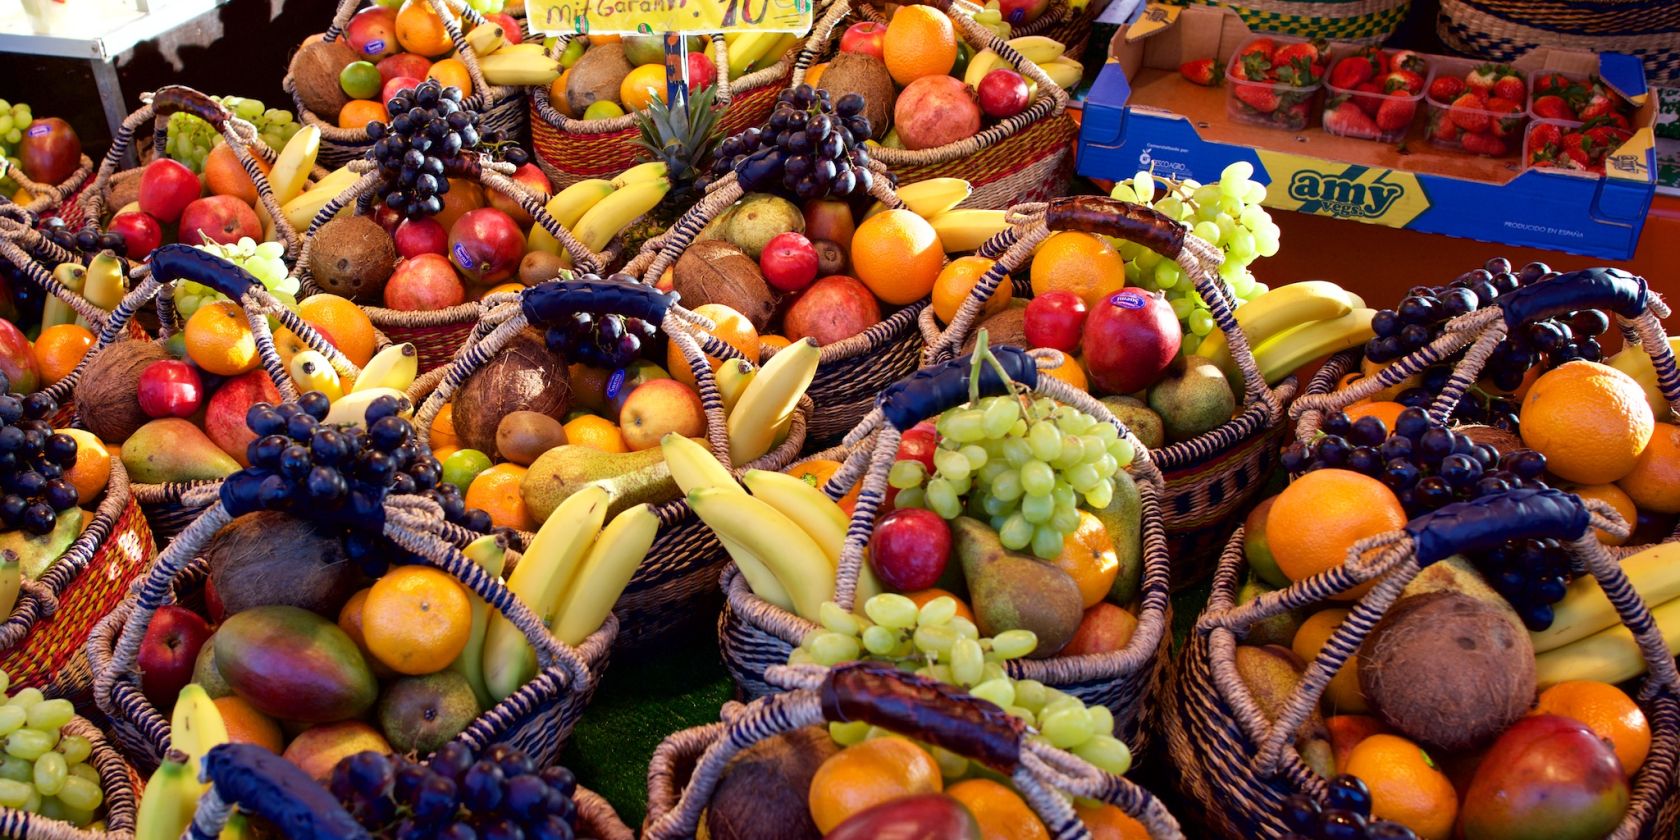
{"x": 451, "y": 760}
{"x": 523, "y": 797}
{"x": 457, "y": 831}
{"x": 1366, "y": 460}
{"x": 1295, "y": 457}
{"x": 1415, "y": 336}
{"x": 1348, "y": 793}
{"x": 549, "y": 828}
{"x": 1505, "y": 282}
{"x": 1396, "y": 447}
{"x": 1332, "y": 450}
{"x": 1400, "y": 474}
{"x": 1386, "y": 323}
{"x": 481, "y": 787}
{"x": 1368, "y": 431}
{"x": 560, "y": 778}
{"x": 371, "y": 773}
{"x": 1528, "y": 464}
{"x": 1418, "y": 310}
{"x": 1536, "y": 617}
{"x": 1434, "y": 444}
{"x": 1301, "y": 814}
{"x": 1432, "y": 492}
{"x": 1498, "y": 265}
{"x": 1385, "y": 830}
{"x": 1415, "y": 398}
{"x": 1336, "y": 424}
{"x": 1341, "y": 825}
{"x": 1489, "y": 485}
{"x": 1456, "y": 302}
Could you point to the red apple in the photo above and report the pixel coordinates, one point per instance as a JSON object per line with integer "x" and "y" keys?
{"x": 832, "y": 309}
{"x": 1003, "y": 93}
{"x": 219, "y": 218}
{"x": 17, "y": 360}
{"x": 224, "y": 414}
{"x": 388, "y": 218}
{"x": 49, "y": 150}
{"x": 1130, "y": 338}
{"x": 421, "y": 236}
{"x": 166, "y": 188}
{"x": 1056, "y": 319}
{"x": 510, "y": 27}
{"x": 427, "y": 282}
{"x": 789, "y": 262}
{"x": 396, "y": 85}
{"x": 1546, "y": 776}
{"x": 403, "y": 64}
{"x": 531, "y": 177}
{"x": 168, "y": 652}
{"x": 866, "y": 37}
{"x": 486, "y": 245}
{"x": 170, "y": 388}
{"x": 372, "y": 33}
{"x": 1019, "y": 12}
{"x": 658, "y": 407}
{"x": 924, "y": 815}
{"x": 141, "y": 233}
{"x": 919, "y": 444}
{"x": 909, "y": 549}
{"x": 701, "y": 71}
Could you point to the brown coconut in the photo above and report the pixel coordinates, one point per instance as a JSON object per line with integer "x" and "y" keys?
{"x": 314, "y": 71}
{"x": 523, "y": 376}
{"x": 106, "y": 394}
{"x": 866, "y": 76}
{"x": 1448, "y": 669}
{"x": 353, "y": 256}
{"x": 715, "y": 271}
{"x": 597, "y": 76}
{"x": 269, "y": 558}
{"x": 763, "y": 794}
{"x": 1495, "y": 437}
{"x": 1005, "y": 329}
{"x": 125, "y": 188}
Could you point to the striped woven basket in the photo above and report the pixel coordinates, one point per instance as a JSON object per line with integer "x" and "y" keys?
{"x": 1210, "y": 479}
{"x": 116, "y": 780}
{"x": 1501, "y": 30}
{"x": 1352, "y": 21}
{"x": 1239, "y": 766}
{"x": 852, "y": 371}
{"x": 1027, "y": 157}
{"x": 500, "y": 109}
{"x": 572, "y": 150}
{"x": 676, "y": 582}
{"x": 45, "y": 199}
{"x": 688, "y": 765}
{"x": 755, "y": 636}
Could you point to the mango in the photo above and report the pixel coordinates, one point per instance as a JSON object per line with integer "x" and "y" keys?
{"x": 292, "y": 664}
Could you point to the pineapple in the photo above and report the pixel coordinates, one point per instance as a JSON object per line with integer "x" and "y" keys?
{"x": 684, "y": 138}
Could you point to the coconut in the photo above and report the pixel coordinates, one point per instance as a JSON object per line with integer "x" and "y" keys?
{"x": 524, "y": 375}
{"x": 1497, "y": 438}
{"x": 269, "y": 558}
{"x": 597, "y": 76}
{"x": 763, "y": 794}
{"x": 106, "y": 392}
{"x": 124, "y": 190}
{"x": 1004, "y": 329}
{"x": 715, "y": 271}
{"x": 353, "y": 256}
{"x": 1448, "y": 669}
{"x": 867, "y": 77}
{"x": 314, "y": 71}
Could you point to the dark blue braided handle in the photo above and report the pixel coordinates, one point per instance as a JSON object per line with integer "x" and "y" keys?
{"x": 548, "y": 303}
{"x": 266, "y": 785}
{"x": 931, "y": 390}
{"x": 1610, "y": 289}
{"x": 1490, "y": 521}
{"x": 184, "y": 262}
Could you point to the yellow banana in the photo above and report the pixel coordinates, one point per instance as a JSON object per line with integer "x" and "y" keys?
{"x": 301, "y": 210}
{"x": 522, "y": 68}
{"x": 929, "y": 198}
{"x": 653, "y": 170}
{"x": 1276, "y": 310}
{"x": 105, "y": 284}
{"x": 769, "y": 399}
{"x": 352, "y": 408}
{"x": 567, "y": 206}
{"x": 693, "y": 467}
{"x": 296, "y": 160}
{"x": 1610, "y": 655}
{"x": 751, "y": 47}
{"x": 607, "y": 569}
{"x": 490, "y": 553}
{"x": 170, "y": 797}
{"x": 1286, "y": 353}
{"x": 1038, "y": 49}
{"x": 55, "y": 311}
{"x": 615, "y": 212}
{"x": 787, "y": 41}
{"x": 11, "y": 580}
{"x": 732, "y": 378}
{"x": 966, "y": 230}
{"x": 486, "y": 38}
{"x": 798, "y": 563}
{"x": 759, "y": 578}
{"x": 1654, "y": 573}
{"x": 807, "y": 506}
{"x": 196, "y": 725}
{"x": 983, "y": 62}
{"x": 394, "y": 367}
{"x": 312, "y": 372}
{"x": 1065, "y": 72}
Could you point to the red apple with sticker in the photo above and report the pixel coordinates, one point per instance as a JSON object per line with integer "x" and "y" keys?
{"x": 372, "y": 33}
{"x": 486, "y": 245}
{"x": 1131, "y": 336}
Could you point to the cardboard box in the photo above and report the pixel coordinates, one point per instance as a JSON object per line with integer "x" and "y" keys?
{"x": 1141, "y": 114}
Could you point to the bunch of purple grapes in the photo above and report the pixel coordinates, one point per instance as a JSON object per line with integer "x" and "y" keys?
{"x": 33, "y": 459}
{"x": 499, "y": 794}
{"x": 430, "y": 127}
{"x": 1345, "y": 815}
{"x": 812, "y": 147}
{"x": 600, "y": 340}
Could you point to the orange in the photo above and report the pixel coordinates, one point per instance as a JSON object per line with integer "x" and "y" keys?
{"x": 957, "y": 280}
{"x": 1317, "y": 519}
{"x": 596, "y": 433}
{"x": 897, "y": 254}
{"x": 224, "y": 176}
{"x": 452, "y": 72}
{"x": 287, "y": 344}
{"x": 59, "y": 349}
{"x": 443, "y": 430}
{"x": 817, "y": 472}
{"x": 219, "y": 339}
{"x": 597, "y": 40}
{"x": 921, "y": 597}
{"x": 1000, "y": 811}
{"x": 1106, "y": 822}
{"x": 496, "y": 492}
{"x": 1088, "y": 557}
{"x": 357, "y": 113}
{"x": 642, "y": 86}
{"x": 775, "y": 342}
{"x": 92, "y": 468}
{"x": 416, "y": 619}
{"x": 867, "y": 774}
{"x": 1081, "y": 263}
{"x": 443, "y": 453}
{"x": 920, "y": 41}
{"x": 344, "y": 322}
{"x": 1607, "y": 711}
{"x": 1615, "y": 497}
{"x": 557, "y": 92}
{"x": 1406, "y": 786}
{"x": 1343, "y": 693}
{"x": 350, "y": 621}
{"x": 814, "y": 73}
{"x": 1591, "y": 421}
{"x": 246, "y": 725}
{"x": 420, "y": 30}
{"x": 732, "y": 327}
{"x": 1071, "y": 372}
{"x": 1654, "y": 481}
{"x": 1386, "y": 411}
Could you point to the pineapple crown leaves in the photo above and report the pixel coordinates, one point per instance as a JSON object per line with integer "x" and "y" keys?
{"x": 683, "y": 137}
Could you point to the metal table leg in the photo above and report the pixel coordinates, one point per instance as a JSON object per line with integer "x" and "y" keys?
{"x": 111, "y": 99}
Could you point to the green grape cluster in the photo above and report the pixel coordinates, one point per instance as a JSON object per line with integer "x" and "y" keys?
{"x": 191, "y": 139}
{"x": 1227, "y": 213}
{"x": 13, "y": 120}
{"x": 934, "y": 642}
{"x": 263, "y": 261}
{"x": 43, "y": 770}
{"x": 1024, "y": 466}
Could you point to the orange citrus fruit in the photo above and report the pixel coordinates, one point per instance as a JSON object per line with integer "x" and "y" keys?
{"x": 920, "y": 41}
{"x": 1106, "y": 822}
{"x": 897, "y": 254}
{"x": 59, "y": 349}
{"x": 817, "y": 472}
{"x": 957, "y": 280}
{"x": 1607, "y": 711}
{"x": 557, "y": 92}
{"x": 597, "y": 40}
{"x": 1615, "y": 497}
{"x": 92, "y": 468}
{"x": 733, "y": 327}
{"x": 443, "y": 429}
{"x": 345, "y": 324}
{"x": 420, "y": 30}
{"x": 219, "y": 339}
{"x": 246, "y": 725}
{"x": 867, "y": 774}
{"x": 416, "y": 619}
{"x": 1081, "y": 263}
{"x": 1591, "y": 421}
{"x": 1069, "y": 371}
{"x": 350, "y": 618}
{"x": 775, "y": 342}
{"x": 814, "y": 73}
{"x": 1317, "y": 519}
{"x": 357, "y": 113}
{"x": 1654, "y": 481}
{"x": 496, "y": 492}
{"x": 1343, "y": 693}
{"x": 452, "y": 72}
{"x": 1406, "y": 786}
{"x": 922, "y": 596}
{"x": 595, "y": 433}
{"x": 1385, "y": 410}
{"x": 642, "y": 86}
{"x": 1001, "y": 812}
{"x": 1088, "y": 557}
{"x": 224, "y": 176}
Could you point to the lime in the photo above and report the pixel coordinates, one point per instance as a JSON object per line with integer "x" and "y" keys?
{"x": 605, "y": 109}
{"x": 464, "y": 465}
{"x": 573, "y": 52}
{"x": 360, "y": 80}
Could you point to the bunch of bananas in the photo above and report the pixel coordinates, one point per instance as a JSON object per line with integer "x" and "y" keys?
{"x": 502, "y": 63}
{"x": 595, "y": 210}
{"x": 171, "y": 794}
{"x": 936, "y": 200}
{"x": 750, "y": 52}
{"x": 1291, "y": 325}
{"x": 1046, "y": 52}
{"x": 1587, "y": 640}
{"x": 389, "y": 373}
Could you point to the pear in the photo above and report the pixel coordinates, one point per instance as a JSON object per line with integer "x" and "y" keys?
{"x": 1277, "y": 630}
{"x": 172, "y": 450}
{"x": 1123, "y": 518}
{"x": 1194, "y": 400}
{"x": 1271, "y": 673}
{"x": 1010, "y": 591}
{"x": 630, "y": 478}
{"x": 35, "y": 554}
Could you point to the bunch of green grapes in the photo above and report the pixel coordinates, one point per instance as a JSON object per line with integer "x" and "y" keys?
{"x": 191, "y": 139}
{"x": 263, "y": 261}
{"x": 1227, "y": 213}
{"x": 43, "y": 770}
{"x": 991, "y": 17}
{"x": 934, "y": 642}
{"x": 1024, "y": 466}
{"x": 13, "y": 120}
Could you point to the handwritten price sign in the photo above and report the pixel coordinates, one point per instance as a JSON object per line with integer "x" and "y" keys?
{"x": 631, "y": 17}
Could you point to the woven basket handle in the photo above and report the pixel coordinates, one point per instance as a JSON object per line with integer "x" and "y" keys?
{"x": 548, "y": 303}
{"x": 881, "y": 695}
{"x": 930, "y": 391}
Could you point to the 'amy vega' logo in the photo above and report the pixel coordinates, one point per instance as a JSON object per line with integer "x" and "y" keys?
{"x": 1340, "y": 195}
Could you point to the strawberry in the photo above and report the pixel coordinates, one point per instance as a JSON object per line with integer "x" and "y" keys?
{"x": 1395, "y": 115}
{"x": 1443, "y": 129}
{"x": 1502, "y": 123}
{"x": 1407, "y": 60}
{"x": 1551, "y": 83}
{"x": 1351, "y": 72}
{"x": 1483, "y": 77}
{"x": 1579, "y": 150}
{"x": 1202, "y": 71}
{"x": 1597, "y": 106}
{"x": 1347, "y": 120}
{"x": 1510, "y": 88}
{"x": 1259, "y": 97}
{"x": 1446, "y": 88}
{"x": 1616, "y": 119}
{"x": 1544, "y": 135}
{"x": 1253, "y": 67}
{"x": 1299, "y": 64}
{"x": 1607, "y": 136}
{"x": 1403, "y": 82}
{"x": 1470, "y": 112}
{"x": 1263, "y": 47}
{"x": 1483, "y": 144}
{"x": 1553, "y": 107}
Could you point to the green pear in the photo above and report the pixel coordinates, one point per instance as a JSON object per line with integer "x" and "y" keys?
{"x": 1124, "y": 520}
{"x": 171, "y": 450}
{"x": 630, "y": 478}
{"x": 1277, "y": 630}
{"x": 1140, "y": 418}
{"x": 35, "y": 554}
{"x": 1010, "y": 591}
{"x": 1194, "y": 400}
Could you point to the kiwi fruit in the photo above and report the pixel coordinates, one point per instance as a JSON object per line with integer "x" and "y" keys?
{"x": 524, "y": 375}
{"x": 539, "y": 267}
{"x": 831, "y": 258}
{"x": 353, "y": 257}
{"x": 1004, "y": 329}
{"x": 866, "y": 76}
{"x": 314, "y": 71}
{"x": 715, "y": 271}
{"x": 106, "y": 393}
{"x": 523, "y": 436}
{"x": 271, "y": 558}
{"x": 596, "y": 76}
{"x": 124, "y": 189}
{"x": 763, "y": 794}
